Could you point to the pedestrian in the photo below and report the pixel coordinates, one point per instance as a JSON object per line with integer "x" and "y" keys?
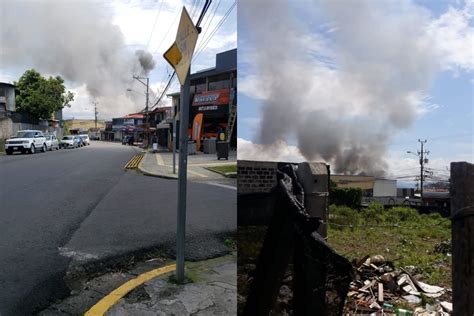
{"x": 155, "y": 143}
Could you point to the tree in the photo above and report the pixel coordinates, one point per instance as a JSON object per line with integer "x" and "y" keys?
{"x": 41, "y": 97}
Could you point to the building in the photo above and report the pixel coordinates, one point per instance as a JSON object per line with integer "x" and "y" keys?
{"x": 83, "y": 126}
{"x": 161, "y": 122}
{"x": 131, "y": 124}
{"x": 370, "y": 186}
{"x": 213, "y": 93}
{"x": 12, "y": 121}
{"x": 7, "y": 107}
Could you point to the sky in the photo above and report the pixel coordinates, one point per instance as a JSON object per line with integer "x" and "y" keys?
{"x": 93, "y": 44}
{"x": 357, "y": 83}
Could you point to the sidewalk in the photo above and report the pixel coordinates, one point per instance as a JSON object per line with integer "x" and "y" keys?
{"x": 160, "y": 164}
{"x": 141, "y": 290}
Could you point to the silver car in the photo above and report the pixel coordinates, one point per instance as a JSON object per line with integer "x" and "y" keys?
{"x": 85, "y": 139}
{"x": 52, "y": 142}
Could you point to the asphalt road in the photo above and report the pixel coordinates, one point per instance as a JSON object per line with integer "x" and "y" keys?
{"x": 71, "y": 207}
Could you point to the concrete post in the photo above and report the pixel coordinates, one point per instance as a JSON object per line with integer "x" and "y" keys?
{"x": 314, "y": 179}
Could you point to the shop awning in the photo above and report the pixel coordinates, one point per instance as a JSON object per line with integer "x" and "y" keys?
{"x": 163, "y": 125}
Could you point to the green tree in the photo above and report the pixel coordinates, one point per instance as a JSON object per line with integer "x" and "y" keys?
{"x": 41, "y": 97}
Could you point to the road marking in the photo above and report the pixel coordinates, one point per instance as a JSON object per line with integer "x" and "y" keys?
{"x": 111, "y": 299}
{"x": 190, "y": 171}
{"x": 212, "y": 164}
{"x": 221, "y": 185}
{"x": 134, "y": 162}
{"x": 159, "y": 160}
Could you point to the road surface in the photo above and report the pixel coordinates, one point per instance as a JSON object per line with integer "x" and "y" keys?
{"x": 68, "y": 207}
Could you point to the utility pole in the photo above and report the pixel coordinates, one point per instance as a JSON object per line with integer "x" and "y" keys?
{"x": 95, "y": 113}
{"x": 147, "y": 84}
{"x": 421, "y": 155}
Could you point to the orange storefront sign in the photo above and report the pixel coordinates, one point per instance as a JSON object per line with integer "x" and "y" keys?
{"x": 216, "y": 97}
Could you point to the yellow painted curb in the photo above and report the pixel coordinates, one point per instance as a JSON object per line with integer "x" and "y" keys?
{"x": 110, "y": 300}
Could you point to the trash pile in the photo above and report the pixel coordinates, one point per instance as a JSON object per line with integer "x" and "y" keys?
{"x": 378, "y": 288}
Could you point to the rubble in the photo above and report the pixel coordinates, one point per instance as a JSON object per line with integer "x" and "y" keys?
{"x": 378, "y": 288}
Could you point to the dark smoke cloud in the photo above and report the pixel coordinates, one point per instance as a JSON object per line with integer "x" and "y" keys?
{"x": 77, "y": 40}
{"x": 146, "y": 60}
{"x": 342, "y": 96}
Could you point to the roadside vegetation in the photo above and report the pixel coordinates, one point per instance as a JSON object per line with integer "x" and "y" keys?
{"x": 224, "y": 168}
{"x": 417, "y": 242}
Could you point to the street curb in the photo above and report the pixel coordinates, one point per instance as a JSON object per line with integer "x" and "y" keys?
{"x": 111, "y": 299}
{"x": 156, "y": 175}
{"x": 224, "y": 174}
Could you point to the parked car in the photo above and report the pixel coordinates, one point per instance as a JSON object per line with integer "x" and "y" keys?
{"x": 69, "y": 142}
{"x": 85, "y": 138}
{"x": 26, "y": 141}
{"x": 51, "y": 142}
{"x": 80, "y": 141}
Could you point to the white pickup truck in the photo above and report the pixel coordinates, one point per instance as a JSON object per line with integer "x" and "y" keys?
{"x": 26, "y": 141}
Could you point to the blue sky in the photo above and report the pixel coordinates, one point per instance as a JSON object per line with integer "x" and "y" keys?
{"x": 419, "y": 51}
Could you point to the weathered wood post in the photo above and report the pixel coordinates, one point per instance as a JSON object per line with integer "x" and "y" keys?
{"x": 462, "y": 215}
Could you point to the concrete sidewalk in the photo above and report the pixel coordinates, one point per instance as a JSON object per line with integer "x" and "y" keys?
{"x": 160, "y": 164}
{"x": 211, "y": 290}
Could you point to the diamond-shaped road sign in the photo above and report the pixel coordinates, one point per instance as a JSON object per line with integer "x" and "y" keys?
{"x": 180, "y": 54}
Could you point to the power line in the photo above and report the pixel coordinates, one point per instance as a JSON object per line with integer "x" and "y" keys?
{"x": 206, "y": 41}
{"x": 208, "y": 24}
{"x": 154, "y": 24}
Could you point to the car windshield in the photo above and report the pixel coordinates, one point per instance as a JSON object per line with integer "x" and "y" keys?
{"x": 83, "y": 137}
{"x": 67, "y": 137}
{"x": 48, "y": 137}
{"x": 24, "y": 135}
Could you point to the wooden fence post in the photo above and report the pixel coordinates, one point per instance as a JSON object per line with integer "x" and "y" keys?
{"x": 462, "y": 214}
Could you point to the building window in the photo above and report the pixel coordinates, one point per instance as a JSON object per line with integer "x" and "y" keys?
{"x": 218, "y": 85}
{"x": 201, "y": 87}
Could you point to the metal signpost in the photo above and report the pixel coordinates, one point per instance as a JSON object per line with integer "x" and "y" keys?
{"x": 179, "y": 55}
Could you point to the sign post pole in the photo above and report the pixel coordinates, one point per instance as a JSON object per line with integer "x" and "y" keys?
{"x": 180, "y": 55}
{"x": 182, "y": 177}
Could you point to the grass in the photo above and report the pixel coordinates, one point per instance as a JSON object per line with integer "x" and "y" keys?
{"x": 224, "y": 168}
{"x": 400, "y": 234}
{"x": 2, "y": 145}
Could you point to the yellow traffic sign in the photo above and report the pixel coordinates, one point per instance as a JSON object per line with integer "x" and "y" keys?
{"x": 173, "y": 55}
{"x": 180, "y": 54}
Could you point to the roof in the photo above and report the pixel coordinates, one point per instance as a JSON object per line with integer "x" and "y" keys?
{"x": 161, "y": 109}
{"x": 7, "y": 84}
{"x": 134, "y": 116}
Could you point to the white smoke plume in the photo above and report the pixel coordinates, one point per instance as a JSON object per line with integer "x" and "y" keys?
{"x": 77, "y": 40}
{"x": 339, "y": 89}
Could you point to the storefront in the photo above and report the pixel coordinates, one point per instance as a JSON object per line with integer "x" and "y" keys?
{"x": 213, "y": 94}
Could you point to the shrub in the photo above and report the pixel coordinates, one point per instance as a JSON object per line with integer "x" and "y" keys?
{"x": 348, "y": 196}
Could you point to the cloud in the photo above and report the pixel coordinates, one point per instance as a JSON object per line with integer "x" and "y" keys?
{"x": 454, "y": 37}
{"x": 278, "y": 151}
{"x": 362, "y": 80}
